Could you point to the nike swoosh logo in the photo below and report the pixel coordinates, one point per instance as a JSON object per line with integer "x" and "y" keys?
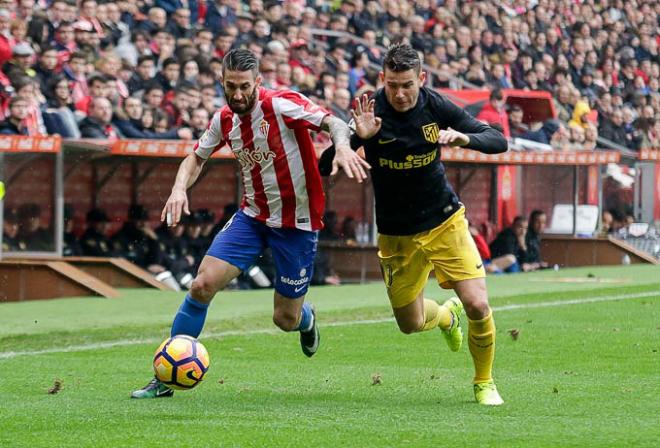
{"x": 479, "y": 265}
{"x": 299, "y": 288}
{"x": 382, "y": 141}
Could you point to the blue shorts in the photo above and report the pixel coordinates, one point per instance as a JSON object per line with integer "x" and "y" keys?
{"x": 243, "y": 239}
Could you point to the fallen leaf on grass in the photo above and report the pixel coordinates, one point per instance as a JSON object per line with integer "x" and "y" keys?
{"x": 376, "y": 379}
{"x": 57, "y": 386}
{"x": 514, "y": 332}
{"x": 221, "y": 381}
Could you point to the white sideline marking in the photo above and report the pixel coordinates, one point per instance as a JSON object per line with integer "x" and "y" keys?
{"x": 220, "y": 334}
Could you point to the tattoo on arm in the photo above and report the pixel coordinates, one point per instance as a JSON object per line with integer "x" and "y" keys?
{"x": 339, "y": 131}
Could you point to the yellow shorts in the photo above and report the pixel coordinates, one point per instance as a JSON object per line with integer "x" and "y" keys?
{"x": 448, "y": 249}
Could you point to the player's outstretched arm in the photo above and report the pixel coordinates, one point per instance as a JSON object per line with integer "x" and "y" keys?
{"x": 465, "y": 130}
{"x": 178, "y": 201}
{"x": 345, "y": 158}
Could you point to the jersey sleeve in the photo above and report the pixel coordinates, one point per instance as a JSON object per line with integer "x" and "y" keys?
{"x": 211, "y": 140}
{"x": 483, "y": 138}
{"x": 299, "y": 111}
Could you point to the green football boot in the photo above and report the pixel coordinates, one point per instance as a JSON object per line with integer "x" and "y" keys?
{"x": 486, "y": 394}
{"x": 155, "y": 389}
{"x": 454, "y": 334}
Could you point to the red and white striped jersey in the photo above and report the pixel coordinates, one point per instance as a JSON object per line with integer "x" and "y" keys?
{"x": 281, "y": 182}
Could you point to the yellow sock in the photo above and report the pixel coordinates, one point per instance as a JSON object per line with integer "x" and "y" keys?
{"x": 435, "y": 315}
{"x": 481, "y": 340}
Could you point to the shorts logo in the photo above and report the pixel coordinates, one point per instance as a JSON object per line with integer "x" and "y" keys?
{"x": 291, "y": 282}
{"x": 431, "y": 132}
{"x": 303, "y": 272}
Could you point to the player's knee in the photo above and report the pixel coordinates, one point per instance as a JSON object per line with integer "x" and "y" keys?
{"x": 477, "y": 308}
{"x": 409, "y": 326}
{"x": 285, "y": 320}
{"x": 509, "y": 260}
{"x": 202, "y": 289}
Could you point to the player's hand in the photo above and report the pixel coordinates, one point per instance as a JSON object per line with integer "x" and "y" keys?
{"x": 353, "y": 165}
{"x": 451, "y": 137}
{"x": 177, "y": 202}
{"x": 366, "y": 123}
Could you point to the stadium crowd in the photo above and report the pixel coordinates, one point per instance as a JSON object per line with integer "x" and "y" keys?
{"x": 152, "y": 69}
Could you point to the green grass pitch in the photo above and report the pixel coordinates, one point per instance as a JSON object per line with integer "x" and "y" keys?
{"x": 583, "y": 371}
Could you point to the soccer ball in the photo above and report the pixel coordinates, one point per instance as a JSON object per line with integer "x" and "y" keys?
{"x": 181, "y": 362}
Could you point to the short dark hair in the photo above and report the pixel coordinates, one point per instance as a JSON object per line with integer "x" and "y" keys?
{"x": 240, "y": 60}
{"x": 97, "y": 78}
{"x": 535, "y": 215}
{"x": 402, "y": 57}
{"x": 496, "y": 94}
{"x": 17, "y": 99}
{"x": 170, "y": 61}
{"x": 144, "y": 58}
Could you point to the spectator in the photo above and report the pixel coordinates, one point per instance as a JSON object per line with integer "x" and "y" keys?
{"x": 179, "y": 25}
{"x": 15, "y": 123}
{"x": 537, "y": 222}
{"x": 581, "y": 112}
{"x": 176, "y": 255}
{"x": 577, "y": 137}
{"x": 493, "y": 112}
{"x": 177, "y": 108}
{"x": 563, "y": 104}
{"x": 590, "y": 137}
{"x": 75, "y": 71}
{"x": 199, "y": 120}
{"x": 517, "y": 128}
{"x": 71, "y": 246}
{"x": 99, "y": 122}
{"x": 98, "y": 88}
{"x": 329, "y": 231}
{"x": 94, "y": 241}
{"x": 154, "y": 95}
{"x": 349, "y": 231}
{"x": 138, "y": 243}
{"x": 168, "y": 77}
{"x": 10, "y": 226}
{"x": 613, "y": 129}
{"x": 19, "y": 65}
{"x": 31, "y": 235}
{"x": 144, "y": 74}
{"x": 28, "y": 89}
{"x": 511, "y": 241}
{"x": 561, "y": 138}
{"x": 207, "y": 218}
{"x": 341, "y": 103}
{"x": 193, "y": 237}
{"x": 60, "y": 115}
{"x": 5, "y": 44}
{"x": 46, "y": 68}
{"x": 492, "y": 266}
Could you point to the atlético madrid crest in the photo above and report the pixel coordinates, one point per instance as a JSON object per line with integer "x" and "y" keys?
{"x": 431, "y": 132}
{"x": 263, "y": 127}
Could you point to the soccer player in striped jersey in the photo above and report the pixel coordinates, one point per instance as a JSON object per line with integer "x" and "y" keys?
{"x": 283, "y": 200}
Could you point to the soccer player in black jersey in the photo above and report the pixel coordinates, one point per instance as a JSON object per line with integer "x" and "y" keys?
{"x": 421, "y": 223}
